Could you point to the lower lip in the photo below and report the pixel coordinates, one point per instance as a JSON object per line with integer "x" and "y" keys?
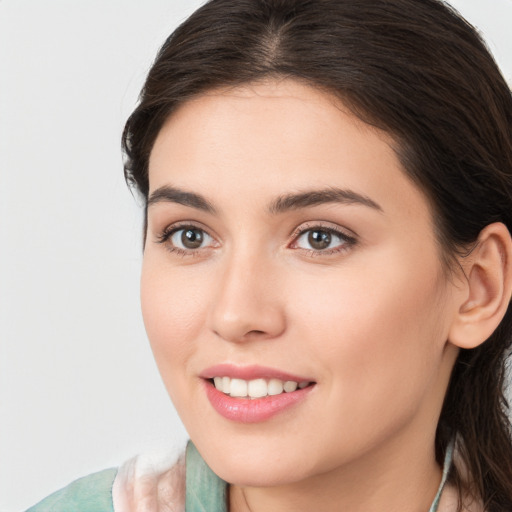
{"x": 246, "y": 410}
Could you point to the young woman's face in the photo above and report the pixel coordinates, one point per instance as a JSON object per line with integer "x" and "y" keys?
{"x": 286, "y": 246}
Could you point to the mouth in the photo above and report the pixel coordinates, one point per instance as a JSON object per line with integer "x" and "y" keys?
{"x": 256, "y": 388}
{"x": 253, "y": 394}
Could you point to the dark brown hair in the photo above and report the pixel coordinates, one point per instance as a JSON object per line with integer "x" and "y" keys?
{"x": 416, "y": 69}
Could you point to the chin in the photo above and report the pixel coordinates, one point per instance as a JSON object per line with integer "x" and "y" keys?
{"x": 255, "y": 461}
{"x": 246, "y": 473}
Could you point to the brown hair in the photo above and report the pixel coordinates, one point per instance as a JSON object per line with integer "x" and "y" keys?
{"x": 416, "y": 69}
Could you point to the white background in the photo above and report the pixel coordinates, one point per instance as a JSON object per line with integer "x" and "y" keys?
{"x": 78, "y": 387}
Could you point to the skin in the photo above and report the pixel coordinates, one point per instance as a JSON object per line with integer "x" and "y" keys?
{"x": 368, "y": 320}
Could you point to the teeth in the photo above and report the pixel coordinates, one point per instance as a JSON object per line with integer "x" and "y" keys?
{"x": 238, "y": 387}
{"x": 256, "y": 388}
{"x": 226, "y": 385}
{"x": 290, "y": 386}
{"x": 275, "y": 387}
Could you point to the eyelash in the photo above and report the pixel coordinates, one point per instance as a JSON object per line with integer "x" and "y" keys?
{"x": 164, "y": 237}
{"x": 348, "y": 241}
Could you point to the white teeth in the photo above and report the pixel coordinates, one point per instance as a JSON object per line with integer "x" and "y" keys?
{"x": 256, "y": 388}
{"x": 238, "y": 387}
{"x": 290, "y": 386}
{"x": 226, "y": 385}
{"x": 275, "y": 387}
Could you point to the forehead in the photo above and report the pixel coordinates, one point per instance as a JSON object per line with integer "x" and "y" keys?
{"x": 274, "y": 137}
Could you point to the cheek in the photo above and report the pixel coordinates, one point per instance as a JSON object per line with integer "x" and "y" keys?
{"x": 376, "y": 329}
{"x": 173, "y": 314}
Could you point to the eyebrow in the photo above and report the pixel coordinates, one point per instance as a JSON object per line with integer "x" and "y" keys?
{"x": 168, "y": 194}
{"x": 316, "y": 197}
{"x": 281, "y": 204}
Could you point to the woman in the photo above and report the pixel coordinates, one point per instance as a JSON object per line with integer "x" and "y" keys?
{"x": 327, "y": 265}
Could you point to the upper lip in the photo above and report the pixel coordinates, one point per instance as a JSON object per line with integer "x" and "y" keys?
{"x": 250, "y": 372}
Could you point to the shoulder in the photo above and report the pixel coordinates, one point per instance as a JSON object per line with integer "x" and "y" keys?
{"x": 147, "y": 483}
{"x": 92, "y": 493}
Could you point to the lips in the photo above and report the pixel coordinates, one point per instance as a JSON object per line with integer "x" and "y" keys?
{"x": 253, "y": 394}
{"x": 250, "y": 373}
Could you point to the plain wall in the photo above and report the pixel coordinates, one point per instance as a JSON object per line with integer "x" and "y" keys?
{"x": 79, "y": 390}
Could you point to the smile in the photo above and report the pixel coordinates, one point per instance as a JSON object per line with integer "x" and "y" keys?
{"x": 256, "y": 388}
{"x": 253, "y": 394}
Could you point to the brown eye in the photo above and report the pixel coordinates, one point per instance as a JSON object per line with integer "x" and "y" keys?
{"x": 322, "y": 239}
{"x": 190, "y": 238}
{"x": 319, "y": 240}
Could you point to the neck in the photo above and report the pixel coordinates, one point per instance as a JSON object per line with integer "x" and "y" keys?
{"x": 401, "y": 478}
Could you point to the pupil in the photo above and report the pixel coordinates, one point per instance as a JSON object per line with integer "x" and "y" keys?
{"x": 192, "y": 238}
{"x": 319, "y": 239}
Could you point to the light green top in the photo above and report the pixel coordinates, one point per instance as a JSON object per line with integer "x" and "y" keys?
{"x": 206, "y": 492}
{"x": 92, "y": 493}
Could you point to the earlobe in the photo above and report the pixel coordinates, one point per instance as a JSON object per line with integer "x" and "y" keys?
{"x": 487, "y": 289}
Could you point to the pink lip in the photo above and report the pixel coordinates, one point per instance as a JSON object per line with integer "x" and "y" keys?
{"x": 245, "y": 410}
{"x": 249, "y": 373}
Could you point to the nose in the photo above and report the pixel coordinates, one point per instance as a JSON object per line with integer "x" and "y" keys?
{"x": 249, "y": 304}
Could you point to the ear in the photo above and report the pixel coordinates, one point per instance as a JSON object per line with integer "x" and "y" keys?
{"x": 487, "y": 288}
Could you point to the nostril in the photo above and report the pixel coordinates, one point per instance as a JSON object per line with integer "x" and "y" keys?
{"x": 247, "y": 320}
